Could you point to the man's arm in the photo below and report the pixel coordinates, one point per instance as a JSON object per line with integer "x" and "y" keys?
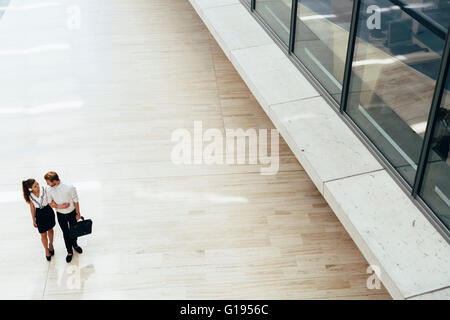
{"x": 50, "y": 197}
{"x": 52, "y": 203}
{"x": 76, "y": 202}
{"x": 58, "y": 206}
{"x": 77, "y": 210}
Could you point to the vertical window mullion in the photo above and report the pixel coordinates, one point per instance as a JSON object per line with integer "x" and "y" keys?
{"x": 432, "y": 117}
{"x": 350, "y": 53}
{"x": 293, "y": 25}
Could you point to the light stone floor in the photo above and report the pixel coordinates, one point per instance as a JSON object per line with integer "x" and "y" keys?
{"x": 98, "y": 105}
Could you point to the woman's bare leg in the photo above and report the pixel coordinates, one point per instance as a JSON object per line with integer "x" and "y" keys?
{"x": 50, "y": 238}
{"x": 44, "y": 241}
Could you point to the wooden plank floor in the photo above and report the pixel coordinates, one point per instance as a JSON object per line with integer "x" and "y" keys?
{"x": 98, "y": 105}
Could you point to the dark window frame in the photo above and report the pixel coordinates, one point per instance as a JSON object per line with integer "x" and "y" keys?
{"x": 339, "y": 108}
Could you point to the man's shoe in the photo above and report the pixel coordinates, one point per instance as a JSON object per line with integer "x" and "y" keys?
{"x": 78, "y": 249}
{"x": 69, "y": 258}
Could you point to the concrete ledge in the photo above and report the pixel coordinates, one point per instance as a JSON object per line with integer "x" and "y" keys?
{"x": 392, "y": 233}
{"x": 324, "y": 145}
{"x": 205, "y": 4}
{"x": 437, "y": 295}
{"x": 413, "y": 258}
{"x": 228, "y": 23}
{"x": 270, "y": 73}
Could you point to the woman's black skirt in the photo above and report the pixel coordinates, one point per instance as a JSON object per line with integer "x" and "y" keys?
{"x": 45, "y": 219}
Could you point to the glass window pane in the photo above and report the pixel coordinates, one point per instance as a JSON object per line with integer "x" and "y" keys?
{"x": 436, "y": 184}
{"x": 277, "y": 14}
{"x": 321, "y": 40}
{"x": 392, "y": 82}
{"x": 436, "y": 10}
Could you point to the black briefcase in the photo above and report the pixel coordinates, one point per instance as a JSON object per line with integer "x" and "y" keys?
{"x": 81, "y": 228}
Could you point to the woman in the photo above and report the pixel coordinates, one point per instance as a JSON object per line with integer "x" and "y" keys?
{"x": 42, "y": 213}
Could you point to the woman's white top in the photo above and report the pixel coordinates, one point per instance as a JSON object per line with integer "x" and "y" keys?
{"x": 42, "y": 201}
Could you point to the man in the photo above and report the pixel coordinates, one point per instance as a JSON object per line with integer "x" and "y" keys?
{"x": 60, "y": 193}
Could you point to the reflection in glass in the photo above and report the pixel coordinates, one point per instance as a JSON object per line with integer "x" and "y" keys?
{"x": 322, "y": 38}
{"x": 436, "y": 184}
{"x": 435, "y": 10}
{"x": 277, "y": 14}
{"x": 392, "y": 82}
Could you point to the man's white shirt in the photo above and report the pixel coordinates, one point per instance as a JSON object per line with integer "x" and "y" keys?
{"x": 63, "y": 193}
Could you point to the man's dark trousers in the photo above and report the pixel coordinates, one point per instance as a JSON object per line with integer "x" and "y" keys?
{"x": 66, "y": 221}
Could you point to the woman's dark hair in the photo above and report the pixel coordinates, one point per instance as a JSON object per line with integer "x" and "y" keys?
{"x": 26, "y": 185}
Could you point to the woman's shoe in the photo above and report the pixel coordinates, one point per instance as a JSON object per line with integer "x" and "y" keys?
{"x": 48, "y": 258}
{"x": 52, "y": 252}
